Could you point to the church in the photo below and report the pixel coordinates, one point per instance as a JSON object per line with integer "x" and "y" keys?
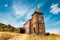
{"x": 35, "y": 25}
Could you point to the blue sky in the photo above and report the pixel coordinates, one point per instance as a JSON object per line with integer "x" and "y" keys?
{"x": 17, "y": 12}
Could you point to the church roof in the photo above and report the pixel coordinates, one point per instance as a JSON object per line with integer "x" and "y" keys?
{"x": 37, "y": 10}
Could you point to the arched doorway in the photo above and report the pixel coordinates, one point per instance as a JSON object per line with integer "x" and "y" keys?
{"x": 34, "y": 30}
{"x": 22, "y": 31}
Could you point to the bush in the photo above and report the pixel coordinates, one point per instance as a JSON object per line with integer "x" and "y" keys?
{"x": 47, "y": 34}
{"x": 8, "y": 28}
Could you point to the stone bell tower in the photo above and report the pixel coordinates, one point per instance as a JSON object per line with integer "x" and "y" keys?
{"x": 37, "y": 22}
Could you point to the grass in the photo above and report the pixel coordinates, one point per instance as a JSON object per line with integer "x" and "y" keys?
{"x": 18, "y": 36}
{"x": 40, "y": 37}
{"x": 7, "y": 35}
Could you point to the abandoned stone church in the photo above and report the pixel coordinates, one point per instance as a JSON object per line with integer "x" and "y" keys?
{"x": 34, "y": 25}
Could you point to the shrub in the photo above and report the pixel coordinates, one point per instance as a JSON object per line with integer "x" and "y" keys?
{"x": 47, "y": 34}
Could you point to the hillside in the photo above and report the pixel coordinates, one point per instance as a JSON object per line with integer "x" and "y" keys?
{"x": 8, "y": 28}
{"x": 18, "y": 36}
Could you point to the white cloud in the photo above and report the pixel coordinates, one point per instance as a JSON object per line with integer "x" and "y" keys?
{"x": 8, "y": 19}
{"x": 5, "y": 5}
{"x": 55, "y": 31}
{"x": 29, "y": 15}
{"x": 55, "y": 9}
{"x": 20, "y": 10}
{"x": 47, "y": 20}
{"x": 51, "y": 25}
{"x": 55, "y": 24}
{"x": 54, "y": 27}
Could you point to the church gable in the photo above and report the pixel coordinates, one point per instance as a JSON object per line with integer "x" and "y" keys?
{"x": 27, "y": 26}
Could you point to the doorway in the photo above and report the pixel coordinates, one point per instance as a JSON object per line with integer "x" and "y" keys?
{"x": 34, "y": 30}
{"x": 22, "y": 31}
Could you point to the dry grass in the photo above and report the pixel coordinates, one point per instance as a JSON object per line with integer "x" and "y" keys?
{"x": 18, "y": 36}
{"x": 40, "y": 37}
{"x": 7, "y": 35}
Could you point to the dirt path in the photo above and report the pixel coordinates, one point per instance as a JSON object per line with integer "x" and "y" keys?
{"x": 22, "y": 37}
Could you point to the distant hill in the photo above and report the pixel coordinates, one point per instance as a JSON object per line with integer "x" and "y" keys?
{"x": 8, "y": 28}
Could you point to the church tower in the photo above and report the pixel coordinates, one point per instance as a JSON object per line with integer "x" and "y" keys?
{"x": 37, "y": 22}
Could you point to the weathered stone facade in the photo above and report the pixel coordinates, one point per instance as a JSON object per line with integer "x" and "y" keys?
{"x": 36, "y": 24}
